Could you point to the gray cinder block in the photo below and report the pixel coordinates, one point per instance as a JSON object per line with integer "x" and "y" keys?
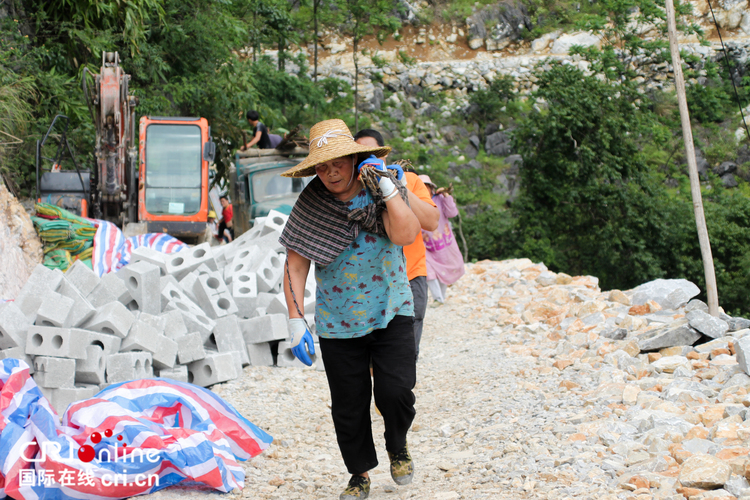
{"x": 142, "y": 281}
{"x": 275, "y": 222}
{"x": 153, "y": 257}
{"x": 110, "y": 344}
{"x": 228, "y": 337}
{"x": 82, "y": 277}
{"x": 41, "y": 282}
{"x": 54, "y": 310}
{"x": 212, "y": 296}
{"x": 278, "y": 305}
{"x": 245, "y": 294}
{"x": 213, "y": 369}
{"x": 18, "y": 353}
{"x": 141, "y": 337}
{"x": 110, "y": 289}
{"x": 126, "y": 366}
{"x": 112, "y": 318}
{"x": 166, "y": 354}
{"x": 82, "y": 310}
{"x": 57, "y": 342}
{"x": 159, "y": 323}
{"x": 63, "y": 397}
{"x": 187, "y": 284}
{"x": 237, "y": 359}
{"x": 190, "y": 348}
{"x": 268, "y": 270}
{"x": 91, "y": 370}
{"x": 241, "y": 263}
{"x": 181, "y": 263}
{"x": 264, "y": 329}
{"x": 53, "y": 373}
{"x": 13, "y": 326}
{"x": 179, "y": 373}
{"x": 174, "y": 326}
{"x": 287, "y": 359}
{"x": 260, "y": 354}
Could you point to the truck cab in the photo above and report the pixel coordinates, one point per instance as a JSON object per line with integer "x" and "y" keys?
{"x": 257, "y": 186}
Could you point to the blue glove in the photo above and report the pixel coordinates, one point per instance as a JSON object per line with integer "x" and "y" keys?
{"x": 399, "y": 173}
{"x": 373, "y": 161}
{"x": 301, "y": 338}
{"x": 386, "y": 185}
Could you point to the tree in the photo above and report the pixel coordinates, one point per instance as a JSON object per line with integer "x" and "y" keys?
{"x": 368, "y": 17}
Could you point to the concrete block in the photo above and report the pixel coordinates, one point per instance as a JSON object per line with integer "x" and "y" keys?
{"x": 18, "y": 353}
{"x": 63, "y": 397}
{"x": 153, "y": 257}
{"x": 287, "y": 359}
{"x": 110, "y": 344}
{"x": 41, "y": 281}
{"x": 228, "y": 337}
{"x": 194, "y": 323}
{"x": 204, "y": 269}
{"x": 275, "y": 222}
{"x": 278, "y": 305}
{"x": 142, "y": 281}
{"x": 166, "y": 280}
{"x": 260, "y": 354}
{"x": 53, "y": 373}
{"x": 126, "y": 366}
{"x": 177, "y": 294}
{"x": 241, "y": 263}
{"x": 187, "y": 283}
{"x": 82, "y": 277}
{"x": 82, "y": 310}
{"x": 181, "y": 263}
{"x": 13, "y": 326}
{"x": 213, "y": 369}
{"x": 166, "y": 355}
{"x": 110, "y": 289}
{"x": 237, "y": 360}
{"x": 268, "y": 269}
{"x": 213, "y": 297}
{"x": 159, "y": 323}
{"x": 179, "y": 373}
{"x": 270, "y": 241}
{"x": 174, "y": 326}
{"x": 92, "y": 369}
{"x": 141, "y": 337}
{"x": 57, "y": 342}
{"x": 112, "y": 318}
{"x": 54, "y": 310}
{"x": 245, "y": 294}
{"x": 190, "y": 348}
{"x": 264, "y": 329}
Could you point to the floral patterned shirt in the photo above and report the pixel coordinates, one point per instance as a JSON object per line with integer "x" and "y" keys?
{"x": 364, "y": 287}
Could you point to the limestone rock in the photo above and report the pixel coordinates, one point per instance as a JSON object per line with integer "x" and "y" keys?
{"x": 706, "y": 324}
{"x": 20, "y": 246}
{"x": 564, "y": 42}
{"x": 704, "y": 471}
{"x": 669, "y": 294}
{"x": 674, "y": 334}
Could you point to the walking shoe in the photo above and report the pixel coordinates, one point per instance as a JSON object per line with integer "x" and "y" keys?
{"x": 358, "y": 488}
{"x": 402, "y": 468}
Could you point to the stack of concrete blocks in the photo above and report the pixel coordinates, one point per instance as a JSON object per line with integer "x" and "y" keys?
{"x": 197, "y": 316}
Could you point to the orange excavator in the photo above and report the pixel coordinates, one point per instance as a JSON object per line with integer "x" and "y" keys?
{"x": 161, "y": 184}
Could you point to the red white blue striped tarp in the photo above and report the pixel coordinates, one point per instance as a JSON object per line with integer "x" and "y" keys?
{"x": 112, "y": 250}
{"x": 130, "y": 439}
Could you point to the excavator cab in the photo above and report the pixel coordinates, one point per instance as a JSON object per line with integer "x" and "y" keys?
{"x": 174, "y": 157}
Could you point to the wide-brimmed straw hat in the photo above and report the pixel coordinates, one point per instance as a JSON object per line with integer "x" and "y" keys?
{"x": 426, "y": 180}
{"x": 330, "y": 139}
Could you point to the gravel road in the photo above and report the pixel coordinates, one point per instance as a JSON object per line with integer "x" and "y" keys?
{"x": 490, "y": 424}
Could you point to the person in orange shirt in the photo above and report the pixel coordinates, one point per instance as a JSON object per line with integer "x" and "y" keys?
{"x": 428, "y": 214}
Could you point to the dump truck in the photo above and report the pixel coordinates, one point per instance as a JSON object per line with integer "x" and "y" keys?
{"x": 158, "y": 185}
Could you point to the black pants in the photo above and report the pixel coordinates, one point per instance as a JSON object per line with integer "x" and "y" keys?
{"x": 347, "y": 363}
{"x": 419, "y": 292}
{"x": 222, "y": 228}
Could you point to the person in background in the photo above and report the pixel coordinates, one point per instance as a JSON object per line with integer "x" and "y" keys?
{"x": 426, "y": 211}
{"x": 260, "y": 132}
{"x": 363, "y": 302}
{"x": 212, "y": 227}
{"x": 226, "y": 231}
{"x": 445, "y": 264}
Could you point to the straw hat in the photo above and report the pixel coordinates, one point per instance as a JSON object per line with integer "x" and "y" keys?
{"x": 330, "y": 139}
{"x": 426, "y": 180}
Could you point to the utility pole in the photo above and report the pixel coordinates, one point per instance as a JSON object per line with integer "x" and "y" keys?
{"x": 695, "y": 185}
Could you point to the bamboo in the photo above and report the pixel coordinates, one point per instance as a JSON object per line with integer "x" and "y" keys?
{"x": 695, "y": 187}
